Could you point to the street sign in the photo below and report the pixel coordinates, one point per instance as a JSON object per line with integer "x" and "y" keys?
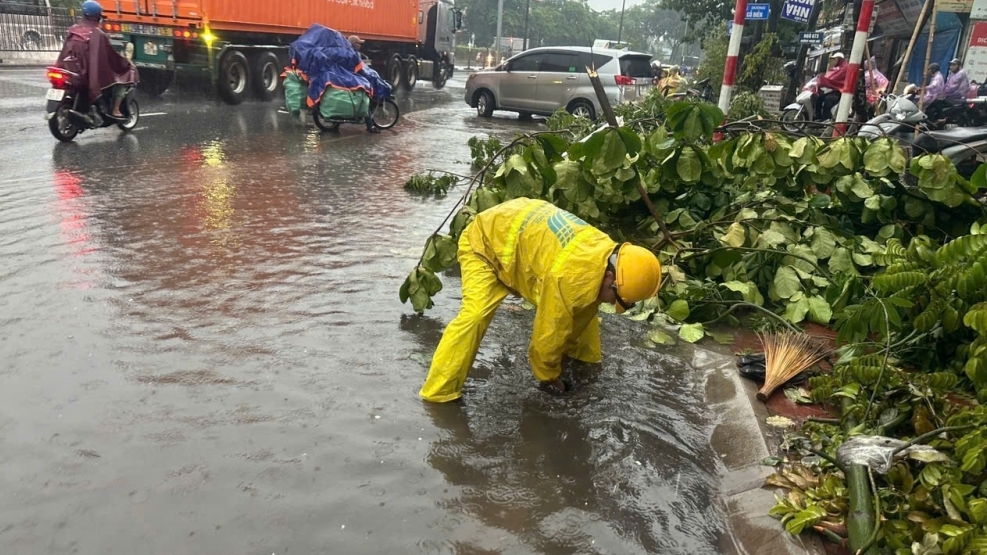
{"x": 757, "y": 12}
{"x": 797, "y": 10}
{"x": 813, "y": 38}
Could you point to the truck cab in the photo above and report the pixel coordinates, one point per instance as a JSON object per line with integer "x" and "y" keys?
{"x": 438, "y": 21}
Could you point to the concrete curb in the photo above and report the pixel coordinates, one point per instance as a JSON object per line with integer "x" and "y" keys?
{"x": 739, "y": 439}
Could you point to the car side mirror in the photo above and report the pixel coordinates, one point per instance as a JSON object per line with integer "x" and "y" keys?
{"x": 459, "y": 19}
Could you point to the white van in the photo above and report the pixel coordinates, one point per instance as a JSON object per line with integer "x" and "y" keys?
{"x": 31, "y": 25}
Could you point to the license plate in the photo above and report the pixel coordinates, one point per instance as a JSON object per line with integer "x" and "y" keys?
{"x": 55, "y": 94}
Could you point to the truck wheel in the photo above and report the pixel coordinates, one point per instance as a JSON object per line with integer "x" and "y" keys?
{"x": 440, "y": 77}
{"x": 234, "y": 74}
{"x": 266, "y": 72}
{"x": 410, "y": 73}
{"x": 153, "y": 82}
{"x": 395, "y": 71}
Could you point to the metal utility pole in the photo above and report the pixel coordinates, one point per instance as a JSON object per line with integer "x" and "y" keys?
{"x": 856, "y": 55}
{"x": 527, "y": 9}
{"x": 733, "y": 50}
{"x": 500, "y": 24}
{"x": 620, "y": 28}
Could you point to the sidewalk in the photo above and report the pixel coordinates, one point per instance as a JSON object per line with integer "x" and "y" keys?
{"x": 10, "y": 58}
{"x": 742, "y": 439}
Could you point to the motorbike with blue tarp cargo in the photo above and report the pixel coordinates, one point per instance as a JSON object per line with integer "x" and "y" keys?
{"x": 327, "y": 78}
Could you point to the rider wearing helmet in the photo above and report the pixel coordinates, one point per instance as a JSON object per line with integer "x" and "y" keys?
{"x": 87, "y": 51}
{"x": 556, "y": 261}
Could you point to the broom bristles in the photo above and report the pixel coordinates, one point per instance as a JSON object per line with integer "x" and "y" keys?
{"x": 787, "y": 354}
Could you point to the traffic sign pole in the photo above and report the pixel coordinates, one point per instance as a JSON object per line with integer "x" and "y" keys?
{"x": 733, "y": 50}
{"x": 856, "y": 55}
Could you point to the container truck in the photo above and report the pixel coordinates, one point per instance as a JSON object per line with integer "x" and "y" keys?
{"x": 242, "y": 45}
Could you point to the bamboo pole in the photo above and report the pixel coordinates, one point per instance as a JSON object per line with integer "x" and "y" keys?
{"x": 919, "y": 23}
{"x": 928, "y": 51}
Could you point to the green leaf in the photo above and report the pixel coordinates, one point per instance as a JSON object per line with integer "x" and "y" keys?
{"x": 861, "y": 188}
{"x": 786, "y": 282}
{"x": 819, "y": 310}
{"x": 735, "y": 236}
{"x": 678, "y": 309}
{"x": 691, "y": 332}
{"x": 795, "y": 311}
{"x": 660, "y": 337}
{"x": 632, "y": 141}
{"x": 611, "y": 155}
{"x": 873, "y": 202}
{"x": 773, "y": 238}
{"x": 840, "y": 261}
{"x": 876, "y": 157}
{"x": 976, "y": 318}
{"x": 806, "y": 518}
{"x": 723, "y": 338}
{"x": 823, "y": 243}
{"x": 748, "y": 289}
{"x": 688, "y": 166}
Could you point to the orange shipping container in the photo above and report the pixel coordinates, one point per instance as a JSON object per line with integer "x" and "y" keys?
{"x": 371, "y": 19}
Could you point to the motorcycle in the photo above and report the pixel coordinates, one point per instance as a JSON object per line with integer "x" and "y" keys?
{"x": 900, "y": 121}
{"x": 384, "y": 114}
{"x": 803, "y": 110}
{"x": 964, "y": 146}
{"x": 69, "y": 111}
{"x": 701, "y": 90}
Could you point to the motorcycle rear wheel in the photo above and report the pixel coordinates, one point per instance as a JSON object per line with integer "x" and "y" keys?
{"x": 61, "y": 125}
{"x": 386, "y": 114}
{"x": 135, "y": 114}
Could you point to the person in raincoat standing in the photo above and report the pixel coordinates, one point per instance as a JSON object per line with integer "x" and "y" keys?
{"x": 556, "y": 261}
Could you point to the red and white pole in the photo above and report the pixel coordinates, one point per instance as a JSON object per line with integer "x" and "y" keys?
{"x": 856, "y": 55}
{"x": 730, "y": 69}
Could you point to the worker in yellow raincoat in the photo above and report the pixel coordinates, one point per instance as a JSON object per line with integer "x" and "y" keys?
{"x": 562, "y": 265}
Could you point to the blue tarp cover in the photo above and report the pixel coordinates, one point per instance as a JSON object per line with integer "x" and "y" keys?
{"x": 327, "y": 59}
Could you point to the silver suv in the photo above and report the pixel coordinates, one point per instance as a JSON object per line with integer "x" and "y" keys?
{"x": 542, "y": 80}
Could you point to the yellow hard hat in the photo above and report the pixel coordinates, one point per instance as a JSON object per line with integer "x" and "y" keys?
{"x": 637, "y": 275}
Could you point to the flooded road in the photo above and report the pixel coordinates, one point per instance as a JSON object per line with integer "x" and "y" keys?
{"x": 202, "y": 351}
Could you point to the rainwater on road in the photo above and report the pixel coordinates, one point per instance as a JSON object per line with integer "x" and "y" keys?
{"x": 202, "y": 351}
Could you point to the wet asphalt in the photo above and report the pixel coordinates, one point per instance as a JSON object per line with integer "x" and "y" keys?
{"x": 202, "y": 351}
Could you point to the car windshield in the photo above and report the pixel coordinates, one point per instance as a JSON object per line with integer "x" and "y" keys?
{"x": 635, "y": 66}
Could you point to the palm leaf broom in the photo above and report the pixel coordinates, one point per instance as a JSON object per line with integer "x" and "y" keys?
{"x": 787, "y": 354}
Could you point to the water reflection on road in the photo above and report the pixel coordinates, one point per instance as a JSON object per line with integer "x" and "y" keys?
{"x": 203, "y": 352}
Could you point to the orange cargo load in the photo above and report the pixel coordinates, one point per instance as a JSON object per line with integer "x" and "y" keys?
{"x": 371, "y": 19}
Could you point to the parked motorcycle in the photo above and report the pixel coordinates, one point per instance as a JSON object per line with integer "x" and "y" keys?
{"x": 964, "y": 146}
{"x": 384, "y": 113}
{"x": 900, "y": 120}
{"x": 70, "y": 113}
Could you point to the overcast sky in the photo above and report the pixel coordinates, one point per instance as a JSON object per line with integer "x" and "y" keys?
{"x": 600, "y": 5}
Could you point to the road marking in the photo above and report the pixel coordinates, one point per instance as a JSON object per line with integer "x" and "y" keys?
{"x": 148, "y": 114}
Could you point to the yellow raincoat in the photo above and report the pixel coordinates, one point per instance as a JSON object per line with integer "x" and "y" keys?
{"x": 548, "y": 256}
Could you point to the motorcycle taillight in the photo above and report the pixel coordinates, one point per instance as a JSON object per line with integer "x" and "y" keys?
{"x": 57, "y": 79}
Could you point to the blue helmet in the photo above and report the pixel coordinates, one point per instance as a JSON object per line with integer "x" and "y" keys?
{"x": 91, "y": 9}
